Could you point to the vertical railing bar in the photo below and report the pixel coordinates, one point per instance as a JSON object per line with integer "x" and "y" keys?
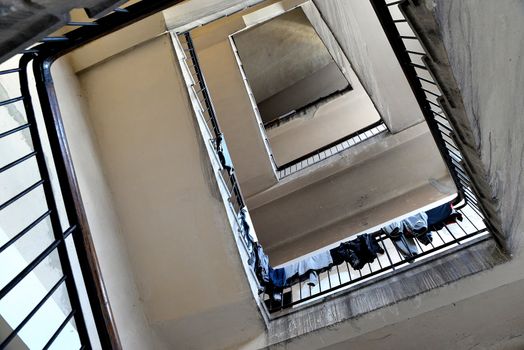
{"x": 387, "y": 254}
{"x": 467, "y": 218}
{"x": 451, "y": 233}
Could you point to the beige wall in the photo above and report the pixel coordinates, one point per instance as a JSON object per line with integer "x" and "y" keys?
{"x": 359, "y": 33}
{"x": 482, "y": 311}
{"x": 117, "y": 42}
{"x": 182, "y": 252}
{"x": 321, "y": 126}
{"x": 232, "y": 105}
{"x": 369, "y": 184}
{"x": 331, "y": 122}
{"x": 320, "y": 84}
{"x": 106, "y": 229}
{"x": 280, "y": 52}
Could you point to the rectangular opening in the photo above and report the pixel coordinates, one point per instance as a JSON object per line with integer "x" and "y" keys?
{"x": 306, "y": 94}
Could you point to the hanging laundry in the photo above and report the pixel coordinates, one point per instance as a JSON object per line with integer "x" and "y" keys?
{"x": 245, "y": 230}
{"x": 272, "y": 281}
{"x": 308, "y": 267}
{"x": 357, "y": 252}
{"x": 402, "y": 234}
{"x": 417, "y": 226}
{"x": 406, "y": 246}
{"x": 262, "y": 266}
{"x": 442, "y": 215}
{"x": 223, "y": 153}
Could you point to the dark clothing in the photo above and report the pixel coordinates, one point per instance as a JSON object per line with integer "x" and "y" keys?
{"x": 425, "y": 238}
{"x": 441, "y": 216}
{"x": 262, "y": 266}
{"x": 271, "y": 280}
{"x": 357, "y": 252}
{"x": 277, "y": 277}
{"x": 403, "y": 232}
{"x": 223, "y": 154}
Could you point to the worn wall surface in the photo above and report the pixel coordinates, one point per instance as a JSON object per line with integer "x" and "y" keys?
{"x": 105, "y": 226}
{"x": 280, "y": 52}
{"x": 331, "y": 122}
{"x": 380, "y": 179}
{"x": 481, "y": 39}
{"x": 232, "y": 105}
{"x": 166, "y": 198}
{"x": 359, "y": 33}
{"x": 481, "y": 311}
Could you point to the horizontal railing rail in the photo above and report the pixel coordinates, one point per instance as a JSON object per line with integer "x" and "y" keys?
{"x": 410, "y": 55}
{"x": 331, "y": 149}
{"x": 410, "y": 52}
{"x": 205, "y": 111}
{"x": 343, "y": 276}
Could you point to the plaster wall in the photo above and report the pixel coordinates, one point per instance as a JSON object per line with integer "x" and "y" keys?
{"x": 361, "y": 37}
{"x": 170, "y": 212}
{"x": 232, "y": 104}
{"x": 320, "y": 84}
{"x": 487, "y": 64}
{"x": 481, "y": 311}
{"x": 193, "y": 13}
{"x": 114, "y": 43}
{"x": 280, "y": 52}
{"x": 104, "y": 223}
{"x": 330, "y": 122}
{"x": 369, "y": 184}
{"x": 322, "y": 125}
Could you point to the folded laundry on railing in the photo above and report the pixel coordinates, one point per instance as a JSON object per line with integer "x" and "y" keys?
{"x": 271, "y": 280}
{"x": 308, "y": 267}
{"x": 223, "y": 153}
{"x": 245, "y": 230}
{"x": 419, "y": 226}
{"x": 442, "y": 215}
{"x": 357, "y": 252}
{"x": 402, "y": 234}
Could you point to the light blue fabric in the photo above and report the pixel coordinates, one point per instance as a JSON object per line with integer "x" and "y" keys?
{"x": 392, "y": 227}
{"x": 406, "y": 246}
{"x": 417, "y": 222}
{"x": 309, "y": 266}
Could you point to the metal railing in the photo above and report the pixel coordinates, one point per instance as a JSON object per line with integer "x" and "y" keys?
{"x": 54, "y": 161}
{"x": 409, "y": 52}
{"x": 344, "y": 277}
{"x": 331, "y": 149}
{"x": 54, "y": 190}
{"x": 212, "y": 133}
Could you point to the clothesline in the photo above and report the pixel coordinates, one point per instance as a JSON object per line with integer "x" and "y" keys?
{"x": 357, "y": 252}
